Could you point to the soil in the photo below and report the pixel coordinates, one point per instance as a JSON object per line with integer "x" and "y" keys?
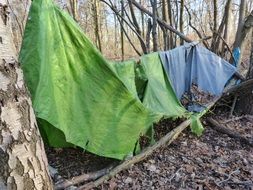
{"x": 212, "y": 161}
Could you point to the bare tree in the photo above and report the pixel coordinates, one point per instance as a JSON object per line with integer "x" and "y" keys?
{"x": 121, "y": 31}
{"x": 137, "y": 27}
{"x": 170, "y": 39}
{"x": 154, "y": 25}
{"x": 215, "y": 13}
{"x": 95, "y": 8}
{"x": 165, "y": 31}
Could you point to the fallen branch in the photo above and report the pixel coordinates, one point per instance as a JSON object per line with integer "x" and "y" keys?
{"x": 83, "y": 178}
{"x": 166, "y": 140}
{"x": 58, "y": 178}
{"x": 219, "y": 127}
{"x": 240, "y": 88}
{"x": 246, "y": 183}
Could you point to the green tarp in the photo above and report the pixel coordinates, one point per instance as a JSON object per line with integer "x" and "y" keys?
{"x": 82, "y": 99}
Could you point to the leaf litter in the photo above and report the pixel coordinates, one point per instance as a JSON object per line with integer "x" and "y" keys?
{"x": 212, "y": 161}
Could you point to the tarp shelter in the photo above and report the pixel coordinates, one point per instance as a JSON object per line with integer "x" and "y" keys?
{"x": 82, "y": 99}
{"x": 194, "y": 64}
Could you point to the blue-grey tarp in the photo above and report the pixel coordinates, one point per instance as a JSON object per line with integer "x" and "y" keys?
{"x": 193, "y": 63}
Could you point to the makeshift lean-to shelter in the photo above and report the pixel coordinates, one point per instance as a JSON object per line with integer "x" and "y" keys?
{"x": 82, "y": 99}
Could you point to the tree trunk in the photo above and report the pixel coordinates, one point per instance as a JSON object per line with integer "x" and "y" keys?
{"x": 148, "y": 34}
{"x": 23, "y": 162}
{"x": 154, "y": 28}
{"x": 242, "y": 31}
{"x": 226, "y": 26}
{"x": 170, "y": 38}
{"x": 181, "y": 21}
{"x": 142, "y": 23}
{"x": 216, "y": 40}
{"x": 240, "y": 24}
{"x": 137, "y": 27}
{"x": 74, "y": 9}
{"x": 165, "y": 31}
{"x": 250, "y": 73}
{"x": 95, "y": 7}
{"x": 121, "y": 31}
{"x": 215, "y": 13}
{"x": 245, "y": 103}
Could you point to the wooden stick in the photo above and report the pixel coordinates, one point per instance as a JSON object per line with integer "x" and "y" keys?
{"x": 219, "y": 127}
{"x": 166, "y": 140}
{"x": 83, "y": 178}
{"x": 233, "y": 106}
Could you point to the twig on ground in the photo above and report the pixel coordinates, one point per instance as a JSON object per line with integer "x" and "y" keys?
{"x": 172, "y": 177}
{"x": 83, "y": 178}
{"x": 248, "y": 117}
{"x": 228, "y": 177}
{"x": 246, "y": 183}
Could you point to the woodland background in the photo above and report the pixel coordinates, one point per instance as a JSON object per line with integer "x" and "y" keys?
{"x": 121, "y": 31}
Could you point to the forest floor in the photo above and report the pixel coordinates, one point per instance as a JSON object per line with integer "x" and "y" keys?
{"x": 212, "y": 161}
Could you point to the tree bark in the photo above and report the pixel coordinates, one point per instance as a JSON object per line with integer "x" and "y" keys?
{"x": 165, "y": 31}
{"x": 250, "y": 72}
{"x": 74, "y": 9}
{"x": 245, "y": 103}
{"x": 240, "y": 24}
{"x": 170, "y": 38}
{"x": 154, "y": 28}
{"x": 122, "y": 32}
{"x": 23, "y": 162}
{"x": 242, "y": 33}
{"x": 215, "y": 13}
{"x": 95, "y": 7}
{"x": 181, "y": 20}
{"x": 148, "y": 34}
